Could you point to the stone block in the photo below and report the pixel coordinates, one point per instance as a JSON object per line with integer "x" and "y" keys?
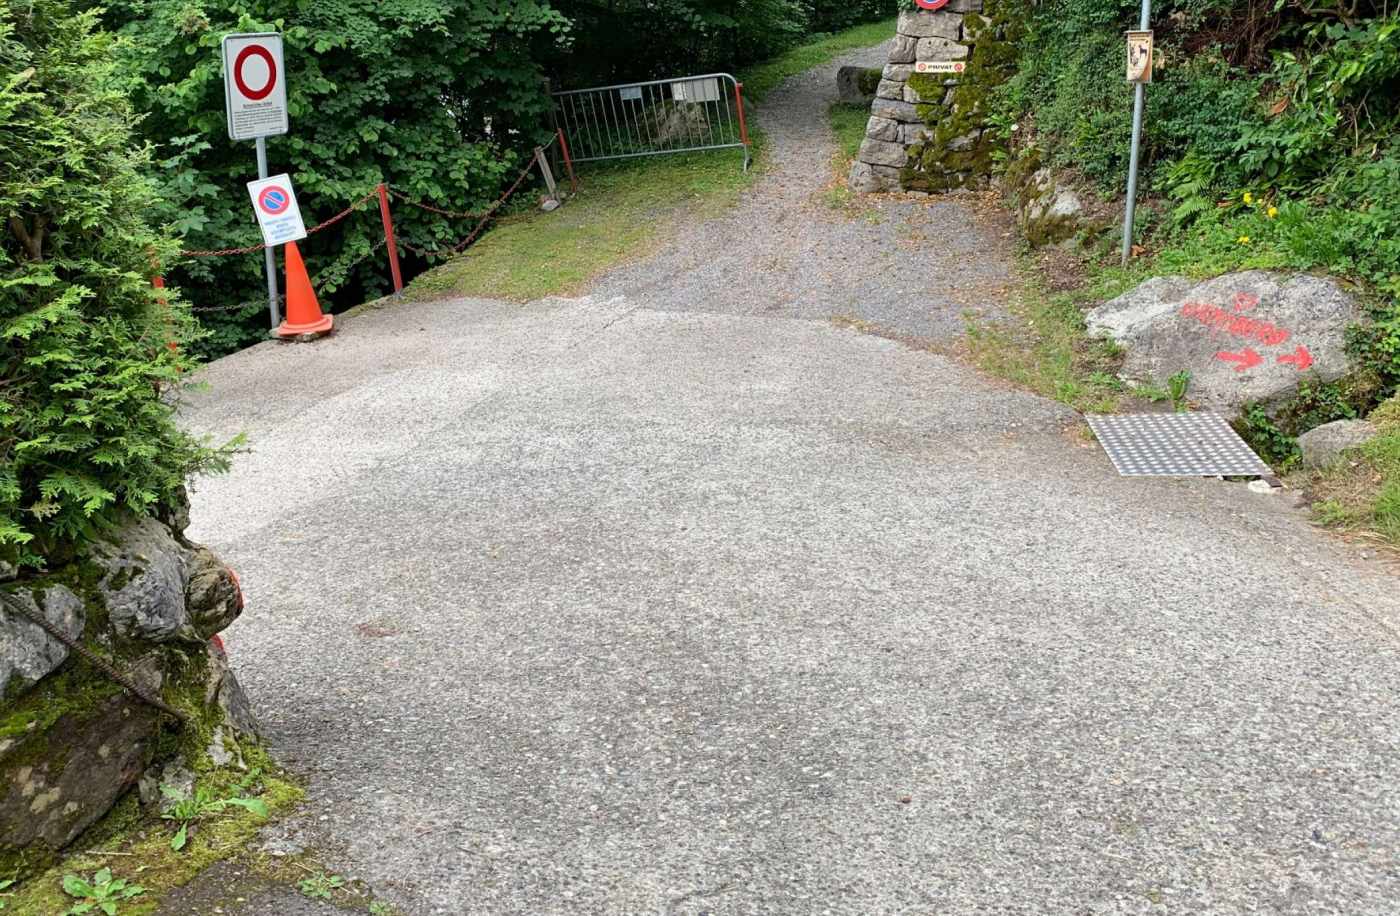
{"x": 889, "y": 89}
{"x": 864, "y": 179}
{"x": 923, "y": 24}
{"x": 940, "y": 49}
{"x": 899, "y": 72}
{"x": 912, "y": 133}
{"x": 964, "y": 6}
{"x": 894, "y": 110}
{"x": 902, "y": 49}
{"x": 882, "y": 129}
{"x": 881, "y": 152}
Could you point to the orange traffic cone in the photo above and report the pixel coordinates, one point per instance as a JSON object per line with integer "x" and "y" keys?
{"x": 303, "y": 311}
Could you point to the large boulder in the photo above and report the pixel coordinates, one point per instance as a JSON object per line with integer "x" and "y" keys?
{"x": 72, "y": 739}
{"x": 1244, "y": 337}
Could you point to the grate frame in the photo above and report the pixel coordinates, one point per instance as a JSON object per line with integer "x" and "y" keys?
{"x": 1175, "y": 445}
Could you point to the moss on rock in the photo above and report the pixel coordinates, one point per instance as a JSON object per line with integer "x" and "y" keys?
{"x": 960, "y": 150}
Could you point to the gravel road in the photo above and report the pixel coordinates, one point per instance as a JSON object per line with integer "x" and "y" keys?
{"x": 681, "y": 599}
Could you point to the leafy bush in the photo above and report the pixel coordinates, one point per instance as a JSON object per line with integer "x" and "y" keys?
{"x": 85, "y": 432}
{"x": 441, "y": 98}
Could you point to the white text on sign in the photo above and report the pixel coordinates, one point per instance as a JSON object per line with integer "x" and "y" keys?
{"x": 940, "y": 66}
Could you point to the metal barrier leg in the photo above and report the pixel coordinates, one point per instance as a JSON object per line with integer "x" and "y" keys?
{"x": 568, "y": 163}
{"x": 743, "y": 125}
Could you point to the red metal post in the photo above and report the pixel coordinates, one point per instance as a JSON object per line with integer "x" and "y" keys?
{"x": 568, "y": 162}
{"x": 743, "y": 126}
{"x": 389, "y": 241}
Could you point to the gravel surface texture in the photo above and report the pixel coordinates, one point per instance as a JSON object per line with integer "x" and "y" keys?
{"x": 910, "y": 265}
{"x": 669, "y": 601}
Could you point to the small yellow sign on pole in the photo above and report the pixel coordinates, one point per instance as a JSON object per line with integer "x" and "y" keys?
{"x": 1140, "y": 57}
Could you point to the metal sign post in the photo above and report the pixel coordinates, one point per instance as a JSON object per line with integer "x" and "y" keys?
{"x": 255, "y": 96}
{"x": 1143, "y": 73}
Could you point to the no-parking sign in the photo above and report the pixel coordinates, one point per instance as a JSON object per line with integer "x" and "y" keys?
{"x": 255, "y": 85}
{"x": 275, "y": 203}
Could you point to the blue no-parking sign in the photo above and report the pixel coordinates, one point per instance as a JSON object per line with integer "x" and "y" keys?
{"x": 275, "y": 204}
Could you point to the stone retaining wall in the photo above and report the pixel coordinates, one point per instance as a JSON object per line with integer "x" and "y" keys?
{"x": 908, "y": 102}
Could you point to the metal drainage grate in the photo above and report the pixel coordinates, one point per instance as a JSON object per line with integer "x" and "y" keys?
{"x": 1175, "y": 445}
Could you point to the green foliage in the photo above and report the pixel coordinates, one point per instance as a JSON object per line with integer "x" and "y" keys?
{"x": 320, "y": 886}
{"x": 1278, "y": 449}
{"x": 187, "y": 809}
{"x": 440, "y": 98}
{"x": 4, "y": 886}
{"x": 103, "y": 893}
{"x": 1177, "y": 386}
{"x": 86, "y": 429}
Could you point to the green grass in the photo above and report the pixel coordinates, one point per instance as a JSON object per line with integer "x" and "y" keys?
{"x": 1045, "y": 349}
{"x": 1362, "y": 492}
{"x": 763, "y": 78}
{"x": 621, "y": 211}
{"x": 625, "y": 209}
{"x": 848, "y": 123}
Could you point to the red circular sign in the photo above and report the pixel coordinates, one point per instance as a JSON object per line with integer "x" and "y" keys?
{"x": 274, "y": 200}
{"x": 931, "y": 4}
{"x": 266, "y": 55}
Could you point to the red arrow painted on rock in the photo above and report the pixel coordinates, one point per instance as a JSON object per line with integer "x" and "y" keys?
{"x": 1246, "y": 358}
{"x": 1299, "y": 357}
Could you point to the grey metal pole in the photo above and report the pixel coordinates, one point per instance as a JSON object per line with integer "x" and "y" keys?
{"x": 1139, "y": 95}
{"x": 271, "y": 259}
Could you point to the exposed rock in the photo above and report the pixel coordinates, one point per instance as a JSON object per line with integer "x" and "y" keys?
{"x": 912, "y": 133}
{"x": 964, "y": 6}
{"x": 27, "y": 653}
{"x": 1243, "y": 337}
{"x": 924, "y": 24}
{"x": 57, "y": 780}
{"x": 902, "y": 49}
{"x": 882, "y": 129}
{"x": 898, "y": 72}
{"x": 895, "y": 111}
{"x": 855, "y": 85}
{"x": 172, "y": 775}
{"x": 931, "y": 49}
{"x": 869, "y": 179}
{"x": 889, "y": 89}
{"x": 213, "y": 599}
{"x": 145, "y": 583}
{"x": 72, "y": 740}
{"x": 1323, "y": 445}
{"x": 878, "y": 152}
{"x": 1049, "y": 212}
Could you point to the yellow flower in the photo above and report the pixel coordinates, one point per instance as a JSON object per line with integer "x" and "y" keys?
{"x": 1244, "y": 240}
{"x": 1248, "y": 198}
{"x": 1272, "y": 212}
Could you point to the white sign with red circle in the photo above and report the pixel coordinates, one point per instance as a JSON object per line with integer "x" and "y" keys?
{"x": 931, "y": 5}
{"x": 275, "y": 204}
{"x": 255, "y": 85}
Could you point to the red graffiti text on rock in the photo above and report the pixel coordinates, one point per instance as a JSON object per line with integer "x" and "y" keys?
{"x": 1212, "y": 316}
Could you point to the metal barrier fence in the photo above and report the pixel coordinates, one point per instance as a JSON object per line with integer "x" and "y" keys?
{"x": 654, "y": 118}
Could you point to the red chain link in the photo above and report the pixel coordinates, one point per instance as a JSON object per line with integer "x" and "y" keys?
{"x": 485, "y": 218}
{"x": 220, "y": 252}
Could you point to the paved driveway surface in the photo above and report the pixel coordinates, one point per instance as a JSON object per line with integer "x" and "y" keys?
{"x": 603, "y": 606}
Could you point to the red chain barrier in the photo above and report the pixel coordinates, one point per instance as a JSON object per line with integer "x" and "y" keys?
{"x": 485, "y": 218}
{"x": 249, "y": 249}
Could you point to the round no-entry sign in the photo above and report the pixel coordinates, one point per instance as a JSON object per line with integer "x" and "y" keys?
{"x": 255, "y": 66}
{"x": 255, "y": 85}
{"x": 931, "y": 4}
{"x": 274, "y": 200}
